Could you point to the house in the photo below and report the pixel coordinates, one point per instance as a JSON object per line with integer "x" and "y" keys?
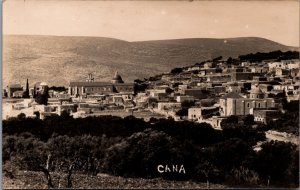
{"x": 236, "y": 76}
{"x": 18, "y": 94}
{"x": 273, "y": 65}
{"x": 184, "y": 98}
{"x": 282, "y": 72}
{"x": 233, "y": 87}
{"x": 258, "y": 69}
{"x": 168, "y": 105}
{"x": 198, "y": 93}
{"x": 266, "y": 115}
{"x": 219, "y": 78}
{"x": 293, "y": 65}
{"x": 196, "y": 113}
{"x": 295, "y": 72}
{"x": 13, "y": 88}
{"x": 214, "y": 121}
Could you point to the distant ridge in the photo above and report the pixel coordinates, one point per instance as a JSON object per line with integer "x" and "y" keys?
{"x": 59, "y": 59}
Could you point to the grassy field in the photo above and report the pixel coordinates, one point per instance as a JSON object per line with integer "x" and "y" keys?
{"x": 36, "y": 180}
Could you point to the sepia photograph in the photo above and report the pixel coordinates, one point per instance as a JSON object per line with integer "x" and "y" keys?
{"x": 140, "y": 94}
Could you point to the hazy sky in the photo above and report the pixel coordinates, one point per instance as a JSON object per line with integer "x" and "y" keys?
{"x": 151, "y": 20}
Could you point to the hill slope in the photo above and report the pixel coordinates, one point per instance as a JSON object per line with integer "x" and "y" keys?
{"x": 57, "y": 60}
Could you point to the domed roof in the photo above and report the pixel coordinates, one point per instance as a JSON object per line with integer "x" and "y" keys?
{"x": 43, "y": 84}
{"x": 117, "y": 78}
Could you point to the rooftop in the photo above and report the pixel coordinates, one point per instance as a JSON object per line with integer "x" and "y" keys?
{"x": 231, "y": 95}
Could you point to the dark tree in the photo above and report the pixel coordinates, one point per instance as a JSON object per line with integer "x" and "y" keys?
{"x": 249, "y": 120}
{"x": 21, "y": 116}
{"x": 176, "y": 70}
{"x": 230, "y": 122}
{"x": 41, "y": 99}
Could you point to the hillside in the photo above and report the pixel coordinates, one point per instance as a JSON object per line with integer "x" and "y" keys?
{"x": 57, "y": 60}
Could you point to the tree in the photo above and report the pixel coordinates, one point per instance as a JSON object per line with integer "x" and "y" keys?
{"x": 34, "y": 92}
{"x": 217, "y": 58}
{"x": 42, "y": 99}
{"x": 230, "y": 122}
{"x": 229, "y": 60}
{"x": 249, "y": 120}
{"x": 176, "y": 70}
{"x": 21, "y": 116}
{"x": 273, "y": 154}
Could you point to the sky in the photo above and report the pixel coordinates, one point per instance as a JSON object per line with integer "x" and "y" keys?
{"x": 154, "y": 20}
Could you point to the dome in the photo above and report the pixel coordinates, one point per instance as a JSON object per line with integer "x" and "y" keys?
{"x": 117, "y": 78}
{"x": 43, "y": 84}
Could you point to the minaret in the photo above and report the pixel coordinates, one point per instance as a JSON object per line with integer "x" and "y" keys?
{"x": 26, "y": 95}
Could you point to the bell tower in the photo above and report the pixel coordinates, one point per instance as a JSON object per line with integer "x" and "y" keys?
{"x": 90, "y": 78}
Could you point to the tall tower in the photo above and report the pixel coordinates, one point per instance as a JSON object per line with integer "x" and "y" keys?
{"x": 256, "y": 92}
{"x": 26, "y": 94}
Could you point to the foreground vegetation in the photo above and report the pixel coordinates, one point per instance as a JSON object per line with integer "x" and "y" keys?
{"x": 33, "y": 180}
{"x": 131, "y": 147}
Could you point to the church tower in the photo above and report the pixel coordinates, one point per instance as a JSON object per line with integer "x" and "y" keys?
{"x": 256, "y": 92}
{"x": 90, "y": 78}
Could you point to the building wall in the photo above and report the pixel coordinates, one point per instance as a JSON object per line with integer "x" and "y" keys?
{"x": 12, "y": 90}
{"x": 244, "y": 106}
{"x": 100, "y": 89}
{"x": 194, "y": 113}
{"x": 236, "y": 76}
{"x": 184, "y": 98}
{"x": 197, "y": 93}
{"x": 168, "y": 105}
{"x": 124, "y": 88}
{"x": 265, "y": 116}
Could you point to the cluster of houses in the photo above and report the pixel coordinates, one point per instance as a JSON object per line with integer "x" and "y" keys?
{"x": 208, "y": 92}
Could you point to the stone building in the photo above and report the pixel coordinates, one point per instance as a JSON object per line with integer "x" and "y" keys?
{"x": 234, "y": 104}
{"x": 13, "y": 88}
{"x": 266, "y": 115}
{"x": 91, "y": 87}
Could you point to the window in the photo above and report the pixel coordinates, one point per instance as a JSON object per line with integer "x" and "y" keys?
{"x": 248, "y": 105}
{"x": 258, "y": 105}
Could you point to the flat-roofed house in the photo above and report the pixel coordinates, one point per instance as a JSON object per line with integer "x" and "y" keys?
{"x": 13, "y": 88}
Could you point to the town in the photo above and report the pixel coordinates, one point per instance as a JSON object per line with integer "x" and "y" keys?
{"x": 204, "y": 92}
